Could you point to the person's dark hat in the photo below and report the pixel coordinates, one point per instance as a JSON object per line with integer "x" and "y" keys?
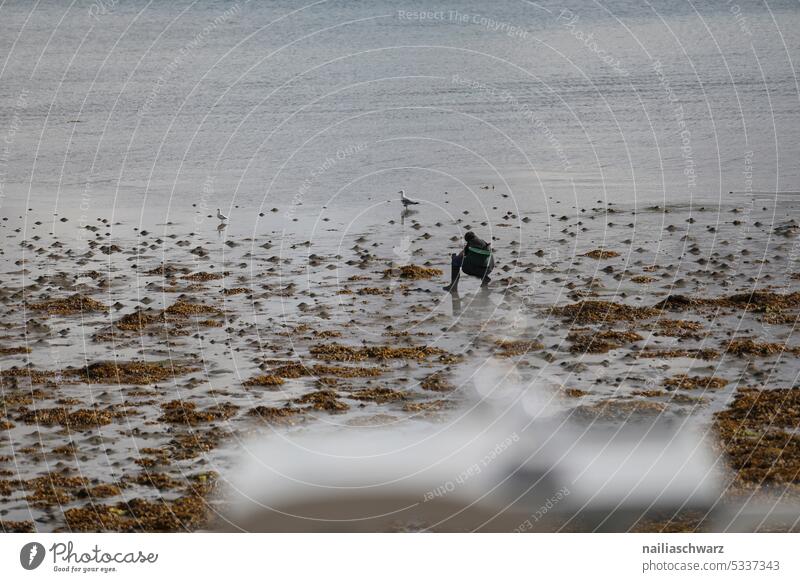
{"x": 469, "y": 236}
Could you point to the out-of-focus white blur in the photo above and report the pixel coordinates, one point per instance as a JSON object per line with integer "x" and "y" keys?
{"x": 487, "y": 470}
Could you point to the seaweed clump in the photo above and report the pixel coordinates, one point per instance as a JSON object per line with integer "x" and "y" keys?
{"x": 344, "y": 353}
{"x": 101, "y": 491}
{"x": 174, "y": 314}
{"x": 374, "y": 291}
{"x": 77, "y": 303}
{"x": 186, "y": 513}
{"x": 104, "y": 373}
{"x": 166, "y": 270}
{"x": 687, "y": 382}
{"x": 574, "y": 392}
{"x": 700, "y": 354}
{"x": 327, "y": 400}
{"x": 132, "y": 372}
{"x": 767, "y": 302}
{"x": 600, "y": 342}
{"x": 679, "y": 328}
{"x": 14, "y": 350}
{"x": 17, "y": 527}
{"x": 264, "y": 380}
{"x": 643, "y": 279}
{"x": 758, "y": 432}
{"x": 82, "y": 419}
{"x": 509, "y": 348}
{"x": 298, "y": 370}
{"x": 597, "y": 311}
{"x": 138, "y": 320}
{"x": 203, "y": 276}
{"x": 182, "y": 412}
{"x": 750, "y": 347}
{"x": 187, "y": 309}
{"x": 193, "y": 444}
{"x": 34, "y": 376}
{"x": 601, "y": 254}
{"x": 378, "y": 395}
{"x": 436, "y": 383}
{"x": 413, "y": 272}
{"x": 273, "y": 415}
{"x": 427, "y": 407}
{"x": 326, "y": 333}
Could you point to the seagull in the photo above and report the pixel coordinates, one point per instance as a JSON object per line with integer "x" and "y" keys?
{"x": 221, "y": 216}
{"x": 406, "y": 201}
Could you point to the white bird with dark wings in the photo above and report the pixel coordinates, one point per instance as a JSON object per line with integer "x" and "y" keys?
{"x": 406, "y": 201}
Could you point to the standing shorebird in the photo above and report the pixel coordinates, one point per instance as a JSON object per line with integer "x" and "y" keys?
{"x": 406, "y": 201}
{"x": 221, "y": 216}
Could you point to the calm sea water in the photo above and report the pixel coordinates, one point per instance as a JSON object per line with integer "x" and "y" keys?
{"x": 137, "y": 104}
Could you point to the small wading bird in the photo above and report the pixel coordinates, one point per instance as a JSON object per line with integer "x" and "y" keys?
{"x": 406, "y": 201}
{"x": 221, "y": 216}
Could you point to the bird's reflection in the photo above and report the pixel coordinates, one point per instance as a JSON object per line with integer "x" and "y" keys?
{"x": 406, "y": 212}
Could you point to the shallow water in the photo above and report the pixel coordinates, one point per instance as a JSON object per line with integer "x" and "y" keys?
{"x": 164, "y": 104}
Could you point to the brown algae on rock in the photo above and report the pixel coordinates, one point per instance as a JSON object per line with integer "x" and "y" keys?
{"x": 132, "y": 372}
{"x": 186, "y": 513}
{"x": 298, "y": 370}
{"x": 14, "y": 351}
{"x": 264, "y": 380}
{"x": 601, "y": 254}
{"x": 597, "y": 311}
{"x": 679, "y": 328}
{"x": 599, "y": 342}
{"x": 643, "y": 279}
{"x": 686, "y": 382}
{"x": 753, "y": 301}
{"x": 750, "y": 347}
{"x": 413, "y": 272}
{"x": 273, "y": 415}
{"x": 345, "y": 353}
{"x": 509, "y": 348}
{"x": 79, "y": 419}
{"x": 183, "y": 412}
{"x": 436, "y": 382}
{"x": 203, "y": 276}
{"x": 327, "y": 400}
{"x": 74, "y": 304}
{"x": 378, "y": 395}
{"x": 759, "y": 434}
{"x": 694, "y": 353}
{"x": 189, "y": 308}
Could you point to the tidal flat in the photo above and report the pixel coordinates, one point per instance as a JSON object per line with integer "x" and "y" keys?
{"x": 135, "y": 363}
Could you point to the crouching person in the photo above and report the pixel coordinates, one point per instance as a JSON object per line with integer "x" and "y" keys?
{"x": 475, "y": 260}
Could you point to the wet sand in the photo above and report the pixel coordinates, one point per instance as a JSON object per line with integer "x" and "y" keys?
{"x": 136, "y": 361}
